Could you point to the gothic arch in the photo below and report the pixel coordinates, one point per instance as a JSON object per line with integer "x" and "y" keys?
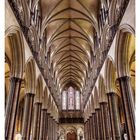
{"x": 30, "y": 76}
{"x": 122, "y": 49}
{"x": 96, "y": 98}
{"x": 90, "y": 107}
{"x": 102, "y": 90}
{"x": 110, "y": 75}
{"x": 14, "y": 45}
{"x": 92, "y": 103}
{"x": 39, "y": 89}
{"x": 45, "y": 98}
{"x": 49, "y": 104}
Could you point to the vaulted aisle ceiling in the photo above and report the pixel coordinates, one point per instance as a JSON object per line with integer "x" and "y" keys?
{"x": 70, "y": 26}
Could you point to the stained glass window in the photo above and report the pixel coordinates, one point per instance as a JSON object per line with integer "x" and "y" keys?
{"x": 71, "y": 98}
{"x": 77, "y": 100}
{"x": 64, "y": 100}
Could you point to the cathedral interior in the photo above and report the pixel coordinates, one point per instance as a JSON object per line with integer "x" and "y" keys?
{"x": 69, "y": 69}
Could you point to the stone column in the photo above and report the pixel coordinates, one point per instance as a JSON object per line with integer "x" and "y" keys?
{"x": 49, "y": 127}
{"x": 114, "y": 116}
{"x": 94, "y": 127}
{"x": 11, "y": 108}
{"x": 43, "y": 124}
{"x": 88, "y": 130}
{"x": 104, "y": 114}
{"x": 52, "y": 129}
{"x": 36, "y": 122}
{"x": 99, "y": 123}
{"x": 27, "y": 117}
{"x": 57, "y": 128}
{"x": 128, "y": 105}
{"x": 90, "y": 124}
{"x": 21, "y": 119}
{"x": 85, "y": 129}
{"x": 46, "y": 127}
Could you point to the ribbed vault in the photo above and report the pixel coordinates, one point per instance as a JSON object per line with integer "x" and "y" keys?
{"x": 69, "y": 27}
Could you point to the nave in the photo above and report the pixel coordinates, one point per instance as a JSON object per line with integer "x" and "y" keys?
{"x": 70, "y": 69}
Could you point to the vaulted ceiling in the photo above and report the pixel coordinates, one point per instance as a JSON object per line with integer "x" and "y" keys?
{"x": 70, "y": 26}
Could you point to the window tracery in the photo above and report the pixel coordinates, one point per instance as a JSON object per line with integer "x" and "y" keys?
{"x": 71, "y": 99}
{"x": 64, "y": 100}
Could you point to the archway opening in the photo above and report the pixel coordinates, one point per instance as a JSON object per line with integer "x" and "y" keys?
{"x": 71, "y": 135}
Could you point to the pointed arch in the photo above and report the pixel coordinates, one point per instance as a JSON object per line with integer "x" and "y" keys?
{"x": 49, "y": 104}
{"x": 45, "y": 98}
{"x": 102, "y": 90}
{"x": 30, "y": 76}
{"x": 96, "y": 98}
{"x": 39, "y": 89}
{"x": 110, "y": 75}
{"x": 14, "y": 44}
{"x": 122, "y": 49}
{"x": 92, "y": 103}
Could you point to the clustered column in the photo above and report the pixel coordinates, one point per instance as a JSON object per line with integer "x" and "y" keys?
{"x": 104, "y": 123}
{"x": 43, "y": 124}
{"x": 36, "y": 121}
{"x": 85, "y": 131}
{"x": 114, "y": 116}
{"x": 90, "y": 127}
{"x": 128, "y": 105}
{"x": 94, "y": 126}
{"x": 99, "y": 124}
{"x": 11, "y": 108}
{"x": 52, "y": 128}
{"x": 27, "y": 118}
{"x": 34, "y": 118}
